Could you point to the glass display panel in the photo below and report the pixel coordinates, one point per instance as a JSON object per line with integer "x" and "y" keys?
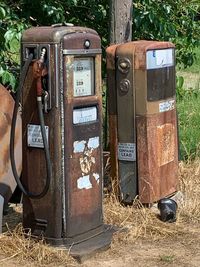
{"x": 83, "y": 77}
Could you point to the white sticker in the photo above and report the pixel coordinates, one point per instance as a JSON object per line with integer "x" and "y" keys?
{"x": 84, "y": 182}
{"x": 34, "y": 135}
{"x": 83, "y": 115}
{"x": 126, "y": 151}
{"x": 93, "y": 142}
{"x": 160, "y": 58}
{"x": 79, "y": 146}
{"x": 167, "y": 105}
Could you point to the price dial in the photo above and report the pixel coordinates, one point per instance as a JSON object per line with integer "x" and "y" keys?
{"x": 83, "y": 77}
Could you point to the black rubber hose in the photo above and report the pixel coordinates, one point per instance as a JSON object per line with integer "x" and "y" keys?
{"x": 12, "y": 138}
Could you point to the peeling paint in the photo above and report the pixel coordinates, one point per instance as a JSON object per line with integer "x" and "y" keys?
{"x": 86, "y": 163}
{"x": 93, "y": 142}
{"x": 96, "y": 176}
{"x": 84, "y": 182}
{"x": 79, "y": 146}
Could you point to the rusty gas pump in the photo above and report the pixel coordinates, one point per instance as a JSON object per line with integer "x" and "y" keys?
{"x": 62, "y": 151}
{"x": 143, "y": 121}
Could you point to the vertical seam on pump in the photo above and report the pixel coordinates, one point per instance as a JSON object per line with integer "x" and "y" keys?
{"x": 62, "y": 144}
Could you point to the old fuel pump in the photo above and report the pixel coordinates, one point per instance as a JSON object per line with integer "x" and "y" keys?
{"x": 142, "y": 118}
{"x": 62, "y": 151}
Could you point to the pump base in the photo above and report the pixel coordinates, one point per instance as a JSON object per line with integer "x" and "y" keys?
{"x": 88, "y": 248}
{"x": 84, "y": 246}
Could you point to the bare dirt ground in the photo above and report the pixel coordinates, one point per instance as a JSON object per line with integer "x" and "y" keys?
{"x": 147, "y": 242}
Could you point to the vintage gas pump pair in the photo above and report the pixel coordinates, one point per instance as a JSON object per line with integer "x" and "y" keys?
{"x": 61, "y": 122}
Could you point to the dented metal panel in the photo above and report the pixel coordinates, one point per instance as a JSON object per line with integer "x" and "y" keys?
{"x": 7, "y": 181}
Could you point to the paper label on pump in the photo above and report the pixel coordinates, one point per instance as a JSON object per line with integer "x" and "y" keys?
{"x": 34, "y": 135}
{"x": 167, "y": 105}
{"x": 84, "y": 115}
{"x": 126, "y": 151}
{"x": 160, "y": 58}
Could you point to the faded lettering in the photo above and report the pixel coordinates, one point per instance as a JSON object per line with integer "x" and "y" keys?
{"x": 126, "y": 151}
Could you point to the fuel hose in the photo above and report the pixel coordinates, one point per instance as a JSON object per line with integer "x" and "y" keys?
{"x": 43, "y": 132}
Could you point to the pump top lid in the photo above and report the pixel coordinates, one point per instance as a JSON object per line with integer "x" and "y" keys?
{"x": 52, "y": 34}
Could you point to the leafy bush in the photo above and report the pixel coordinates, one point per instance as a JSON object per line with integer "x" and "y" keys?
{"x": 152, "y": 19}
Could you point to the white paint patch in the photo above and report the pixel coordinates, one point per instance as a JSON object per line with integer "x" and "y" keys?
{"x": 79, "y": 146}
{"x": 93, "y": 142}
{"x": 84, "y": 182}
{"x": 96, "y": 176}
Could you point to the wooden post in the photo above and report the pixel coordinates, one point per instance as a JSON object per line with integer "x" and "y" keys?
{"x": 120, "y": 21}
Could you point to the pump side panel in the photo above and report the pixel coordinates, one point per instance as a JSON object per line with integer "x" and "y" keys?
{"x": 43, "y": 216}
{"x": 157, "y": 155}
{"x": 112, "y": 113}
{"x": 83, "y": 145}
{"x": 126, "y": 123}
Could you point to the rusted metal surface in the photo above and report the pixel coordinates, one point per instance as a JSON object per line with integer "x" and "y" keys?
{"x": 39, "y": 214}
{"x": 51, "y": 34}
{"x": 83, "y": 144}
{"x": 126, "y": 123}
{"x": 157, "y": 156}
{"x": 73, "y": 204}
{"x": 112, "y": 113}
{"x": 142, "y": 92}
{"x": 7, "y": 181}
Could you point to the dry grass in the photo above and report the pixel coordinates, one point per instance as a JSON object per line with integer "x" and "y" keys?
{"x": 17, "y": 244}
{"x": 137, "y": 221}
{"x": 142, "y": 222}
{"x": 190, "y": 185}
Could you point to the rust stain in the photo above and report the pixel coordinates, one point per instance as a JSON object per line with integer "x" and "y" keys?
{"x": 157, "y": 156}
{"x": 165, "y": 143}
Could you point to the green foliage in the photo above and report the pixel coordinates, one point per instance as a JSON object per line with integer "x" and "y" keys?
{"x": 188, "y": 101}
{"x": 169, "y": 20}
{"x": 189, "y": 126}
{"x": 11, "y": 28}
{"x": 180, "y": 91}
{"x": 152, "y": 19}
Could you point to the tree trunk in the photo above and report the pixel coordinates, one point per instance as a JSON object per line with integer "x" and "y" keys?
{"x": 120, "y": 21}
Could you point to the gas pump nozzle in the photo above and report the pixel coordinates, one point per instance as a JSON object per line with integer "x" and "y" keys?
{"x": 39, "y": 71}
